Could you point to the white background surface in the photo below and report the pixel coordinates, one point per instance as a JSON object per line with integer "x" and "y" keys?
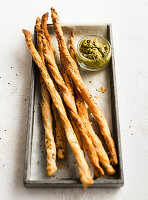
{"x": 130, "y": 32}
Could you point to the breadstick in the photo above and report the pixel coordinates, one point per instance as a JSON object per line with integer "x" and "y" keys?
{"x": 91, "y": 152}
{"x": 45, "y": 29}
{"x": 84, "y": 171}
{"x": 69, "y": 85}
{"x": 86, "y": 95}
{"x": 49, "y": 139}
{"x": 60, "y": 134}
{"x": 47, "y": 116}
{"x": 84, "y": 115}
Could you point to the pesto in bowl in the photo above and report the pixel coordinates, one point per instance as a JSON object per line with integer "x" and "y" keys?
{"x": 93, "y": 52}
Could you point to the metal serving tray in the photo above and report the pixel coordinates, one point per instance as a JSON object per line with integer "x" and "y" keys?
{"x": 35, "y": 159}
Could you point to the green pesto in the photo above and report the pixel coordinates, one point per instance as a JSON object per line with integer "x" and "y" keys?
{"x": 96, "y": 52}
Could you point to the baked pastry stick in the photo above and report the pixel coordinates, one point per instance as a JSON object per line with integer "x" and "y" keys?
{"x": 89, "y": 147}
{"x": 60, "y": 134}
{"x": 103, "y": 157}
{"x": 84, "y": 171}
{"x": 69, "y": 85}
{"x": 49, "y": 139}
{"x": 86, "y": 95}
{"x": 59, "y": 130}
{"x": 47, "y": 116}
{"x": 45, "y": 29}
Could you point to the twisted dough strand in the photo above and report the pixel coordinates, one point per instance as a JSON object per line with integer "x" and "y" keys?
{"x": 59, "y": 130}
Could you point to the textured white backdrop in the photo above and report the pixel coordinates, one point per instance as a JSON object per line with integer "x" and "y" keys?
{"x": 130, "y": 34}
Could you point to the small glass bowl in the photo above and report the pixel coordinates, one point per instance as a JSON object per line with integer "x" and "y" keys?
{"x": 93, "y": 65}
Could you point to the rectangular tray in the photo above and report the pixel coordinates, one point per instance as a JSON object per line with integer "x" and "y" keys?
{"x": 35, "y": 159}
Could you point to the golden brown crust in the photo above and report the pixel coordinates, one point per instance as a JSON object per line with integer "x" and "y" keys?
{"x": 77, "y": 132}
{"x": 72, "y": 108}
{"x": 86, "y": 95}
{"x": 68, "y": 81}
{"x": 60, "y": 134}
{"x": 39, "y": 39}
{"x": 84, "y": 171}
{"x": 45, "y": 29}
{"x": 84, "y": 115}
{"x": 72, "y": 46}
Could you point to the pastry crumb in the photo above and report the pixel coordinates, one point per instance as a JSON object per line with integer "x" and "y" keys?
{"x": 102, "y": 89}
{"x": 96, "y": 97}
{"x": 60, "y": 165}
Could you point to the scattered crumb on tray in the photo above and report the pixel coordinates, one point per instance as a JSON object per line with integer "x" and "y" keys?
{"x": 60, "y": 165}
{"x": 102, "y": 89}
{"x": 96, "y": 97}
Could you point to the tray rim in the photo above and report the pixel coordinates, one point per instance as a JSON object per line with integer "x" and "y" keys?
{"x": 72, "y": 183}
